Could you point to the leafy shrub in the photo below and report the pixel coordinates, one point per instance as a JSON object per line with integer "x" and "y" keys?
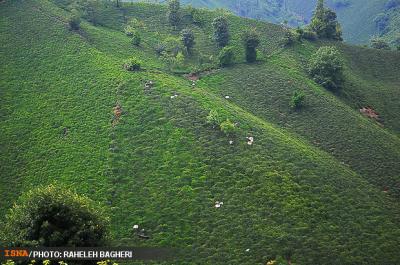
{"x": 226, "y": 56}
{"x": 228, "y": 127}
{"x": 378, "y": 43}
{"x": 52, "y": 216}
{"x": 221, "y": 31}
{"x": 132, "y": 64}
{"x": 326, "y": 67}
{"x": 251, "y": 40}
{"x": 297, "y": 100}
{"x": 213, "y": 118}
{"x": 309, "y": 35}
{"x": 74, "y": 22}
{"x": 136, "y": 38}
{"x": 289, "y": 38}
{"x": 173, "y": 45}
{"x": 187, "y": 38}
{"x": 173, "y": 62}
{"x": 129, "y": 31}
{"x": 136, "y": 23}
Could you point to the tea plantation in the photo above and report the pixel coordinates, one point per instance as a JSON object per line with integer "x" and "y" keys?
{"x": 316, "y": 185}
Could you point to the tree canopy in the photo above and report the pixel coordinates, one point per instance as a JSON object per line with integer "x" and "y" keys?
{"x": 221, "y": 31}
{"x": 251, "y": 40}
{"x": 324, "y": 23}
{"x": 326, "y": 67}
{"x": 53, "y": 216}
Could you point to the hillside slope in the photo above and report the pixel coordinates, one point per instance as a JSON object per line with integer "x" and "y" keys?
{"x": 357, "y": 29}
{"x": 160, "y": 165}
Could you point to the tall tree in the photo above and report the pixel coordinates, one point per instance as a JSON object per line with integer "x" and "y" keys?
{"x": 221, "y": 31}
{"x": 324, "y": 23}
{"x": 187, "y": 38}
{"x": 251, "y": 40}
{"x": 173, "y": 12}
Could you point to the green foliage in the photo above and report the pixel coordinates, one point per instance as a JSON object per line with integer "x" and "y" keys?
{"x": 228, "y": 127}
{"x": 306, "y": 34}
{"x": 8, "y": 262}
{"x": 251, "y": 40}
{"x": 324, "y": 23}
{"x": 297, "y": 99}
{"x": 213, "y": 118}
{"x": 173, "y": 62}
{"x": 289, "y": 38}
{"x": 132, "y": 64}
{"x": 196, "y": 16}
{"x": 92, "y": 11}
{"x": 129, "y": 30}
{"x": 187, "y": 38}
{"x": 174, "y": 16}
{"x": 172, "y": 45}
{"x": 221, "y": 31}
{"x": 136, "y": 38}
{"x": 160, "y": 48}
{"x": 378, "y": 43}
{"x": 133, "y": 26}
{"x": 54, "y": 216}
{"x": 180, "y": 59}
{"x": 326, "y": 67}
{"x": 226, "y": 56}
{"x": 161, "y": 150}
{"x": 309, "y": 35}
{"x": 74, "y": 22}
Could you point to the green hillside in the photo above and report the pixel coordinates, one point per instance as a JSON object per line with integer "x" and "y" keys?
{"x": 357, "y": 29}
{"x": 318, "y": 186}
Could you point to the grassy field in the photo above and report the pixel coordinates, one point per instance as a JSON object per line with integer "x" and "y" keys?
{"x": 310, "y": 188}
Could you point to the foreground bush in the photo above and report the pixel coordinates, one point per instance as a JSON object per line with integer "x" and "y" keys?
{"x": 132, "y": 64}
{"x": 52, "y": 216}
{"x": 326, "y": 67}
